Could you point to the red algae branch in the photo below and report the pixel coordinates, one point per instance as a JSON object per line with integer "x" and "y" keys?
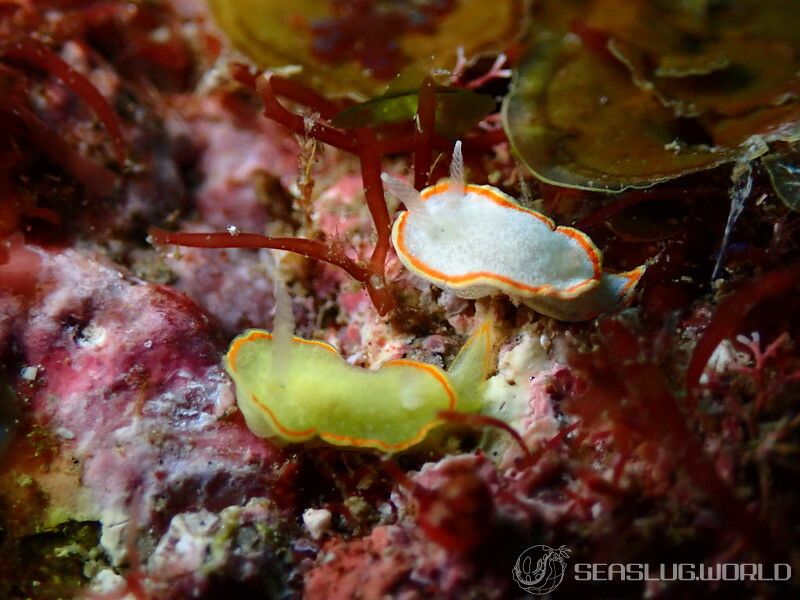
{"x": 729, "y": 315}
{"x": 423, "y": 138}
{"x": 310, "y": 248}
{"x": 34, "y": 53}
{"x": 362, "y": 143}
{"x": 651, "y": 414}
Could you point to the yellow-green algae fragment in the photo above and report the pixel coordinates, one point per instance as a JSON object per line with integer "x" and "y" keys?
{"x": 316, "y": 393}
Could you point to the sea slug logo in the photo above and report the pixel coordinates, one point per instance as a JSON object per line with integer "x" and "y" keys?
{"x": 540, "y": 569}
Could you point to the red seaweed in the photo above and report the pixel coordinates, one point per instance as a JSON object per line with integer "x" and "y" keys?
{"x": 629, "y": 394}
{"x": 96, "y": 178}
{"x": 729, "y": 315}
{"x": 376, "y": 202}
{"x": 302, "y": 126}
{"x": 310, "y": 248}
{"x": 458, "y": 511}
{"x": 478, "y": 420}
{"x": 35, "y": 53}
{"x": 423, "y": 135}
{"x": 364, "y": 144}
{"x": 367, "y": 32}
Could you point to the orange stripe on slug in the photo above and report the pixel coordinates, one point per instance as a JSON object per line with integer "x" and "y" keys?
{"x": 490, "y": 193}
{"x": 451, "y": 395}
{"x": 386, "y": 446}
{"x": 588, "y": 245}
{"x": 340, "y": 440}
{"x": 633, "y": 278}
{"x": 296, "y": 435}
{"x": 290, "y": 433}
{"x": 501, "y": 199}
{"x": 476, "y": 277}
{"x": 264, "y": 335}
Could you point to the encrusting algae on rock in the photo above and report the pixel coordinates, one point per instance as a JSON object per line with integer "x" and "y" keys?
{"x": 475, "y": 241}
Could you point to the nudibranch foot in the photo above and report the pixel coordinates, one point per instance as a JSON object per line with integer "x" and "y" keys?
{"x": 614, "y": 293}
{"x": 318, "y": 394}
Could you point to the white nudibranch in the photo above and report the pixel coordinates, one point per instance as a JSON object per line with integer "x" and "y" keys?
{"x": 475, "y": 241}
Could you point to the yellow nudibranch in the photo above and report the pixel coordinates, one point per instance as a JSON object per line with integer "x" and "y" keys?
{"x": 475, "y": 241}
{"x": 294, "y": 390}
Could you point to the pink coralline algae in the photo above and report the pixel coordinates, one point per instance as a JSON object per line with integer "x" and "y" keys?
{"x": 127, "y": 376}
{"x": 241, "y": 158}
{"x": 396, "y": 561}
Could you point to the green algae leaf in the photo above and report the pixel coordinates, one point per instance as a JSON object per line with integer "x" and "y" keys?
{"x": 783, "y": 169}
{"x": 731, "y": 78}
{"x": 709, "y": 58}
{"x": 358, "y": 48}
{"x": 457, "y": 111}
{"x": 578, "y": 122}
{"x": 631, "y": 94}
